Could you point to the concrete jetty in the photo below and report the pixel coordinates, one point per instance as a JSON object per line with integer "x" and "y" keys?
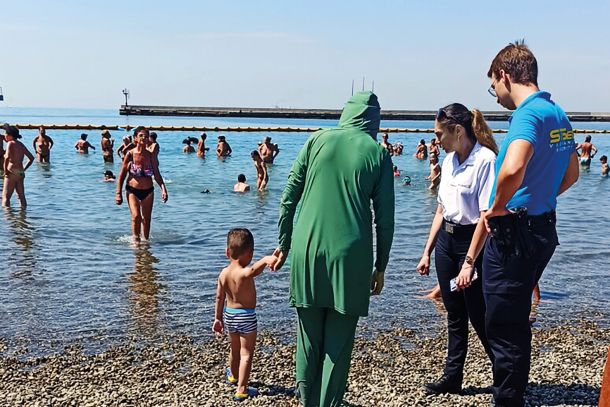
{"x": 331, "y": 114}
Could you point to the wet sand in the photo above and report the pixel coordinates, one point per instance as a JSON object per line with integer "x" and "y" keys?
{"x": 389, "y": 369}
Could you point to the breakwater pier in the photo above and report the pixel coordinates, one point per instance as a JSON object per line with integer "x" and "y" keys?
{"x": 331, "y": 114}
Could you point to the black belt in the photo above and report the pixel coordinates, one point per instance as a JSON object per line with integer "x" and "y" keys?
{"x": 457, "y": 229}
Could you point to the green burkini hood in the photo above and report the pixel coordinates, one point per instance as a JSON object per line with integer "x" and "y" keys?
{"x": 336, "y": 176}
{"x": 362, "y": 111}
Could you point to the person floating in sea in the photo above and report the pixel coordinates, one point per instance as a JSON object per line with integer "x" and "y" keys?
{"x": 396, "y": 171}
{"x": 435, "y": 172}
{"x": 82, "y": 146}
{"x": 42, "y": 145}
{"x": 109, "y": 176}
{"x": 223, "y": 149}
{"x": 107, "y": 147}
{"x": 604, "y": 162}
{"x": 201, "y": 148}
{"x": 188, "y": 148}
{"x": 586, "y": 152}
{"x": 268, "y": 151}
{"x": 139, "y": 167}
{"x": 14, "y": 171}
{"x": 421, "y": 152}
{"x": 241, "y": 185}
{"x": 153, "y": 146}
{"x": 235, "y": 309}
{"x": 262, "y": 176}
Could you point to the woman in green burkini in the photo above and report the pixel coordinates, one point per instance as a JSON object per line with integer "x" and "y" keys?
{"x": 335, "y": 177}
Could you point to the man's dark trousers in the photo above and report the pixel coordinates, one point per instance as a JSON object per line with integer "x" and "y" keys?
{"x": 509, "y": 276}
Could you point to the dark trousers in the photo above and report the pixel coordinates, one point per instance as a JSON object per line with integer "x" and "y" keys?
{"x": 508, "y": 281}
{"x": 450, "y": 251}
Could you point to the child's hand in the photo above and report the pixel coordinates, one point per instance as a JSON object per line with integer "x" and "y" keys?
{"x": 218, "y": 327}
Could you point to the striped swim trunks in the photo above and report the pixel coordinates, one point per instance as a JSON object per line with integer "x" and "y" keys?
{"x": 240, "y": 320}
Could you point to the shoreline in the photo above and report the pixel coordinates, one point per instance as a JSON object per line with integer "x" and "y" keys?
{"x": 388, "y": 369}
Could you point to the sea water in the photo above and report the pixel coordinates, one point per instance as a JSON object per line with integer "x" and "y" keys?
{"x": 71, "y": 274}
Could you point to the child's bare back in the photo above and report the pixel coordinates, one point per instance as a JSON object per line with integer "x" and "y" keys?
{"x": 238, "y": 284}
{"x": 235, "y": 309}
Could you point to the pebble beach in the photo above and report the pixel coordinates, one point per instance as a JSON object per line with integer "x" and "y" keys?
{"x": 387, "y": 369}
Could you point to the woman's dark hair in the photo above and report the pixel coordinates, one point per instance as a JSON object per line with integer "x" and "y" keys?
{"x": 254, "y": 153}
{"x": 422, "y": 142}
{"x": 587, "y": 139}
{"x": 83, "y": 136}
{"x": 153, "y": 136}
{"x": 241, "y": 178}
{"x": 473, "y": 121}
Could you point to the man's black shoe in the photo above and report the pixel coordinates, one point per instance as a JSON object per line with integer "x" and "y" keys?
{"x": 445, "y": 384}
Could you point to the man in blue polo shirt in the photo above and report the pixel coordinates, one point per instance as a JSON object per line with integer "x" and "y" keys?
{"x": 536, "y": 163}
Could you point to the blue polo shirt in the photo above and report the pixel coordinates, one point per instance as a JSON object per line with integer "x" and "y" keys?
{"x": 542, "y": 123}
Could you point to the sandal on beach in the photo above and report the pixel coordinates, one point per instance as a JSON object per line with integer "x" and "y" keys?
{"x": 229, "y": 377}
{"x": 250, "y": 392}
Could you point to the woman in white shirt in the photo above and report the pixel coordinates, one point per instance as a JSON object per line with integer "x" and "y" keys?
{"x": 456, "y": 234}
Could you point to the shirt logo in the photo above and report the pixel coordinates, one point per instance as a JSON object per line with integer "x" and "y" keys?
{"x": 561, "y": 139}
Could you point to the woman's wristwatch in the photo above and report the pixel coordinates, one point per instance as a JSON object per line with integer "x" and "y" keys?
{"x": 469, "y": 260}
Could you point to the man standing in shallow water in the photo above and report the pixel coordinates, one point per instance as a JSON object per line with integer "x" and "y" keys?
{"x": 268, "y": 151}
{"x": 537, "y": 162}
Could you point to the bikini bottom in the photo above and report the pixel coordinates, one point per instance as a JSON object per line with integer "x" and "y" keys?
{"x": 141, "y": 194}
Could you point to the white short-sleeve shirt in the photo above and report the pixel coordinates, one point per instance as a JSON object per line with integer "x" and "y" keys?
{"x": 465, "y": 188}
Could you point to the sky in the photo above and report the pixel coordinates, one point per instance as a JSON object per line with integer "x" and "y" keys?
{"x": 300, "y": 54}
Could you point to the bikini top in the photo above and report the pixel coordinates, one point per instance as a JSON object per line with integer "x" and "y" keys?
{"x": 138, "y": 171}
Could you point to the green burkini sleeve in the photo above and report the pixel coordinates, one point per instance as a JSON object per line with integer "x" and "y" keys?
{"x": 383, "y": 205}
{"x": 291, "y": 197}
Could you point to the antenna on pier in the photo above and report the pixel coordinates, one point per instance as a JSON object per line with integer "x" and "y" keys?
{"x": 352, "y": 87}
{"x": 363, "y": 83}
{"x": 1, "y": 95}
{"x": 373, "y": 86}
{"x": 126, "y": 94}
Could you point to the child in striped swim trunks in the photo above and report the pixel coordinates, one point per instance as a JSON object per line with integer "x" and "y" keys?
{"x": 235, "y": 308}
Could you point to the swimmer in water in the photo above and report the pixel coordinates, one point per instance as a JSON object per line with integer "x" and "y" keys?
{"x": 42, "y": 145}
{"x": 188, "y": 148}
{"x": 223, "y": 149}
{"x": 435, "y": 172}
{"x": 241, "y": 185}
{"x": 153, "y": 146}
{"x": 82, "y": 146}
{"x": 125, "y": 147}
{"x": 261, "y": 170}
{"x": 14, "y": 171}
{"x": 109, "y": 176}
{"x": 201, "y": 148}
{"x": 605, "y": 169}
{"x": 421, "y": 153}
{"x": 107, "y": 147}
{"x": 434, "y": 147}
{"x": 587, "y": 152}
{"x": 268, "y": 151}
{"x": 396, "y": 171}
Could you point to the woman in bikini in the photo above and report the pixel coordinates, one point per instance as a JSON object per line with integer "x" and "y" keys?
{"x": 14, "y": 170}
{"x": 421, "y": 153}
{"x": 139, "y": 167}
{"x": 42, "y": 145}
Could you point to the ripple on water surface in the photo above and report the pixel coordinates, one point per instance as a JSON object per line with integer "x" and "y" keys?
{"x": 72, "y": 272}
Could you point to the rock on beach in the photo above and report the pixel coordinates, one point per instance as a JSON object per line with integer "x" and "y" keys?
{"x": 387, "y": 370}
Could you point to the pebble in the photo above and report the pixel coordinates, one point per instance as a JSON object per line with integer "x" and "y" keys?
{"x": 388, "y": 370}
